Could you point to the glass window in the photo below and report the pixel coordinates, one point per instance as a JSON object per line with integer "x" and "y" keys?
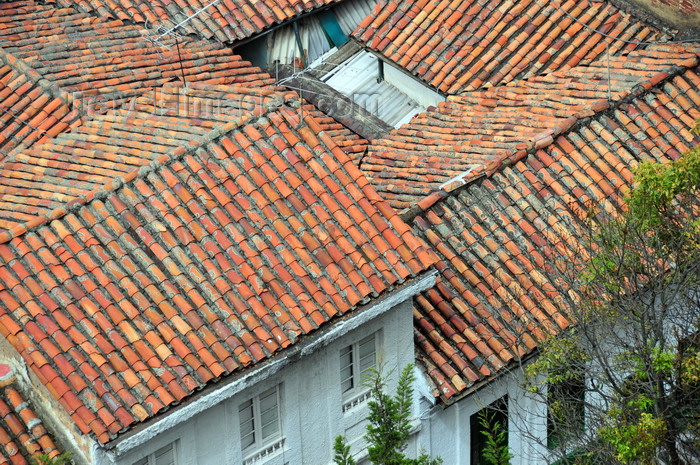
{"x": 163, "y": 456}
{"x": 355, "y": 361}
{"x": 259, "y": 419}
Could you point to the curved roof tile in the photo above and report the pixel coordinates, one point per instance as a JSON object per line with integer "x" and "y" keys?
{"x": 476, "y": 132}
{"x": 106, "y": 64}
{"x": 223, "y": 20}
{"x": 499, "y": 238}
{"x": 462, "y": 45}
{"x": 22, "y": 433}
{"x": 31, "y": 110}
{"x": 217, "y": 256}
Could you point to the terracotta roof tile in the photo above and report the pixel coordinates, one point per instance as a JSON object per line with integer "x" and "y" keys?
{"x": 220, "y": 240}
{"x": 476, "y": 132}
{"x": 31, "y": 111}
{"x": 498, "y": 237}
{"x": 224, "y": 21}
{"x": 22, "y": 433}
{"x": 462, "y": 45}
{"x": 106, "y": 64}
{"x": 349, "y": 141}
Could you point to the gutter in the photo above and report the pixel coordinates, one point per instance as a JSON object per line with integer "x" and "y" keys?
{"x": 227, "y": 389}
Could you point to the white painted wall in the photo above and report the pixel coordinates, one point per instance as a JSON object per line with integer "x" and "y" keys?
{"x": 446, "y": 431}
{"x": 311, "y": 404}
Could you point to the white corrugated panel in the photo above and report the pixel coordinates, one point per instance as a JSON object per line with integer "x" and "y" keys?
{"x": 356, "y": 78}
{"x": 282, "y": 44}
{"x": 350, "y": 13}
{"x": 314, "y": 39}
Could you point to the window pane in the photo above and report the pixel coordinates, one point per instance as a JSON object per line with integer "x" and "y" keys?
{"x": 346, "y": 381}
{"x": 270, "y": 429}
{"x": 367, "y": 354}
{"x": 268, "y": 399}
{"x": 269, "y": 413}
{"x": 165, "y": 456}
{"x": 245, "y": 414}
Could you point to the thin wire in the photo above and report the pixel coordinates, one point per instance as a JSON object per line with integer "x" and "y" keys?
{"x": 186, "y": 20}
{"x": 607, "y": 49}
{"x": 15, "y": 116}
{"x": 179, "y": 57}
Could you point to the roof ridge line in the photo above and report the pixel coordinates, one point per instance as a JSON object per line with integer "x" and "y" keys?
{"x": 163, "y": 160}
{"x": 54, "y": 90}
{"x": 546, "y": 138}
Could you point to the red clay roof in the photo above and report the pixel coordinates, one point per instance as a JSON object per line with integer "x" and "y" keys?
{"x": 30, "y": 110}
{"x": 225, "y": 21}
{"x": 479, "y": 130}
{"x": 104, "y": 64}
{"x": 22, "y": 434}
{"x": 350, "y": 142}
{"x": 499, "y": 237}
{"x": 36, "y": 183}
{"x": 462, "y": 45}
{"x": 237, "y": 242}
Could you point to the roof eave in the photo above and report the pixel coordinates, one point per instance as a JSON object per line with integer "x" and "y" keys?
{"x": 226, "y": 389}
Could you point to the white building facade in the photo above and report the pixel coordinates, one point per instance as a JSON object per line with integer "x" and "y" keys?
{"x": 287, "y": 411}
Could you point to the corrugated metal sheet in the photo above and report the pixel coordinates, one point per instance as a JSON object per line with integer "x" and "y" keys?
{"x": 350, "y": 13}
{"x": 314, "y": 39}
{"x": 282, "y": 46}
{"x": 282, "y": 43}
{"x": 357, "y": 79}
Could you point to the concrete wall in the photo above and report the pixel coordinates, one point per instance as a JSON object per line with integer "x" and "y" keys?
{"x": 310, "y": 399}
{"x": 446, "y": 431}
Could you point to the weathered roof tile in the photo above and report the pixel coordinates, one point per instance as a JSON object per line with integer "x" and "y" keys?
{"x": 249, "y": 230}
{"x": 467, "y": 44}
{"x": 474, "y": 133}
{"x": 499, "y": 237}
{"x": 22, "y": 432}
{"x": 106, "y": 64}
{"x": 224, "y": 21}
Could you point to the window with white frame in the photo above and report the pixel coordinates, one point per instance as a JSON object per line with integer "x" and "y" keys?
{"x": 260, "y": 427}
{"x": 164, "y": 456}
{"x": 355, "y": 361}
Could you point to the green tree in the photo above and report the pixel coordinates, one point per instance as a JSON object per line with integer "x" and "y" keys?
{"x": 341, "y": 451}
{"x": 496, "y": 451}
{"x": 46, "y": 459}
{"x": 637, "y": 318}
{"x": 389, "y": 424}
